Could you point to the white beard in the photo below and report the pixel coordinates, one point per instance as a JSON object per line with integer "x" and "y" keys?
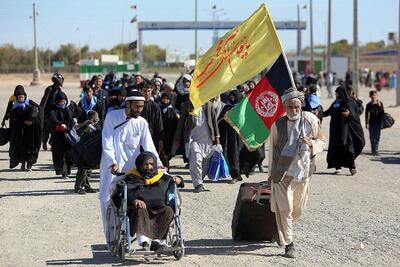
{"x": 293, "y": 117}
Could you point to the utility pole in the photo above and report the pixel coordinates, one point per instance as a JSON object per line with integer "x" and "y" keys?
{"x": 298, "y": 32}
{"x": 122, "y": 40}
{"x": 355, "y": 48}
{"x": 36, "y": 71}
{"x": 79, "y": 46}
{"x": 398, "y": 61}
{"x": 195, "y": 31}
{"x": 328, "y": 50}
{"x": 311, "y": 40}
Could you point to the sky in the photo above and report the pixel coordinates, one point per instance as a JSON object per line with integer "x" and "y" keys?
{"x": 103, "y": 24}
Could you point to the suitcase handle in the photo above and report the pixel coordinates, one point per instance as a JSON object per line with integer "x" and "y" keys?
{"x": 262, "y": 192}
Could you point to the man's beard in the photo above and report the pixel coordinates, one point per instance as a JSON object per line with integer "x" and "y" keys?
{"x": 293, "y": 117}
{"x": 135, "y": 114}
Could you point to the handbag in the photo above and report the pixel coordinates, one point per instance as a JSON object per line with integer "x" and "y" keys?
{"x": 72, "y": 136}
{"x": 4, "y": 136}
{"x": 387, "y": 121}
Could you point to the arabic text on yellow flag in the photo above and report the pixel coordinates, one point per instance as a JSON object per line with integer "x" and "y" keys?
{"x": 240, "y": 54}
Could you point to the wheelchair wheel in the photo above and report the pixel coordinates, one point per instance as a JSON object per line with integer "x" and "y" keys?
{"x": 179, "y": 253}
{"x": 112, "y": 228}
{"x": 121, "y": 249}
{"x": 176, "y": 238}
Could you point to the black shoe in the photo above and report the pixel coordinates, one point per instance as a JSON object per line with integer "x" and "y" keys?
{"x": 146, "y": 246}
{"x": 90, "y": 190}
{"x": 290, "y": 251}
{"x": 199, "y": 188}
{"x": 155, "y": 246}
{"x": 23, "y": 166}
{"x": 64, "y": 176}
{"x": 80, "y": 192}
{"x": 260, "y": 167}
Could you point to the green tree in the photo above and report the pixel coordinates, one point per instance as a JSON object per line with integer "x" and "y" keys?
{"x": 341, "y": 48}
{"x": 152, "y": 53}
{"x": 68, "y": 53}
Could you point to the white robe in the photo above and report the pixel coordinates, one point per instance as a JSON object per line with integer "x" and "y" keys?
{"x": 121, "y": 146}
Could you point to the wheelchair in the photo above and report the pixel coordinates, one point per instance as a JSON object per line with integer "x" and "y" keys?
{"x": 118, "y": 232}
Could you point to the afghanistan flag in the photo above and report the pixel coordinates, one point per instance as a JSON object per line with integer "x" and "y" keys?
{"x": 253, "y": 117}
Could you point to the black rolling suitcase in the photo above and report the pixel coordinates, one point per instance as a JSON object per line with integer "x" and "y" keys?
{"x": 253, "y": 219}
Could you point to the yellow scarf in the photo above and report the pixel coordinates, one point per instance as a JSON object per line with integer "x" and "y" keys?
{"x": 150, "y": 181}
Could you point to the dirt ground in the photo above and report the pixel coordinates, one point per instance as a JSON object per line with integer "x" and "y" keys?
{"x": 350, "y": 220}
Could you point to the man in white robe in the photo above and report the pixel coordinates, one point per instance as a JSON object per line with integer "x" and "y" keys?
{"x": 295, "y": 139}
{"x": 124, "y": 132}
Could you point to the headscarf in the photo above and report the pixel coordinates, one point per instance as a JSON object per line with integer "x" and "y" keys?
{"x": 238, "y": 97}
{"x": 164, "y": 107}
{"x": 140, "y": 161}
{"x": 180, "y": 87}
{"x": 61, "y": 96}
{"x": 20, "y": 90}
{"x": 292, "y": 93}
{"x": 342, "y": 99}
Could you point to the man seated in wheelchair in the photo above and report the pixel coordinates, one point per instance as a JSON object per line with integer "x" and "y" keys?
{"x": 149, "y": 213}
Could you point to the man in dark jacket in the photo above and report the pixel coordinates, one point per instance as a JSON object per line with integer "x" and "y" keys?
{"x": 47, "y": 103}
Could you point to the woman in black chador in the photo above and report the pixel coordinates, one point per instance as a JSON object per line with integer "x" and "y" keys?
{"x": 25, "y": 130}
{"x": 63, "y": 117}
{"x": 346, "y": 136}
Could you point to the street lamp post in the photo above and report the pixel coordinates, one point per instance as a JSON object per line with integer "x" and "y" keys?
{"x": 355, "y": 49}
{"x": 328, "y": 51}
{"x": 298, "y": 32}
{"x": 196, "y": 55}
{"x": 398, "y": 62}
{"x": 311, "y": 40}
{"x": 36, "y": 71}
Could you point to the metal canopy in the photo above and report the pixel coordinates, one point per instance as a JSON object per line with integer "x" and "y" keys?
{"x": 209, "y": 25}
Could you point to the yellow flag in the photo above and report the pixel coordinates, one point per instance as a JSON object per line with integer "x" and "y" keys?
{"x": 240, "y": 54}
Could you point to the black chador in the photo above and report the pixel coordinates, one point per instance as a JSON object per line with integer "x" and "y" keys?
{"x": 25, "y": 131}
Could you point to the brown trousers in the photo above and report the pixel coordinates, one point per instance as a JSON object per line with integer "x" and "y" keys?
{"x": 152, "y": 223}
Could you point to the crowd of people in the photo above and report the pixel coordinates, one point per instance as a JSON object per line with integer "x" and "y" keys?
{"x": 135, "y": 114}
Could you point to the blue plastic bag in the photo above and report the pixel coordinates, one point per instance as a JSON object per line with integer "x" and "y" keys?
{"x": 214, "y": 166}
{"x": 224, "y": 169}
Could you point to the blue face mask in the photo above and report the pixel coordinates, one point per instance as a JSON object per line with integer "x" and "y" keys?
{"x": 61, "y": 106}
